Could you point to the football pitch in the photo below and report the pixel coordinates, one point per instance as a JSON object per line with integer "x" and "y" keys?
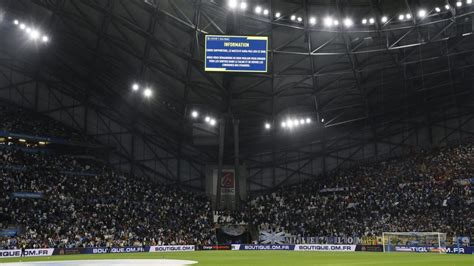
{"x": 268, "y": 258}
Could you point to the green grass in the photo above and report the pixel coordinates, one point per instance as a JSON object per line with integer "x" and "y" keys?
{"x": 283, "y": 258}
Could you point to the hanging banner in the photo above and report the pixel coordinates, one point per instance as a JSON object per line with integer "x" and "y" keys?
{"x": 227, "y": 181}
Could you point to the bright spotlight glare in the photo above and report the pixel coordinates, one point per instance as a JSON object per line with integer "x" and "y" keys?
{"x": 212, "y": 122}
{"x": 135, "y": 86}
{"x": 293, "y": 17}
{"x": 336, "y": 22}
{"x": 364, "y": 21}
{"x": 308, "y": 120}
{"x": 22, "y": 26}
{"x": 268, "y": 126}
{"x": 312, "y": 21}
{"x": 207, "y": 119}
{"x": 371, "y": 20}
{"x": 459, "y": 4}
{"x": 296, "y": 122}
{"x": 16, "y": 22}
{"x": 266, "y": 12}
{"x": 348, "y": 22}
{"x": 422, "y": 13}
{"x": 468, "y": 2}
{"x": 34, "y": 34}
{"x": 28, "y": 29}
{"x": 277, "y": 14}
{"x": 302, "y": 121}
{"x": 283, "y": 124}
{"x": 258, "y": 9}
{"x": 322, "y": 120}
{"x": 384, "y": 19}
{"x": 408, "y": 16}
{"x": 328, "y": 22}
{"x": 289, "y": 123}
{"x": 300, "y": 19}
{"x": 232, "y": 4}
{"x": 147, "y": 92}
{"x": 45, "y": 38}
{"x": 448, "y": 7}
{"x": 437, "y": 9}
{"x": 243, "y": 5}
{"x": 195, "y": 114}
{"x": 401, "y": 17}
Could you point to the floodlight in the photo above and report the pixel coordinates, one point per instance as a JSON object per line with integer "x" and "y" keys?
{"x": 207, "y": 119}
{"x": 371, "y": 20}
{"x": 302, "y": 121}
{"x": 322, "y": 120}
{"x": 364, "y": 21}
{"x": 22, "y": 26}
{"x": 266, "y": 12}
{"x": 147, "y": 93}
{"x": 28, "y": 29}
{"x": 459, "y": 4}
{"x": 258, "y": 10}
{"x": 289, "y": 123}
{"x": 384, "y": 19}
{"x": 16, "y": 22}
{"x": 277, "y": 15}
{"x": 293, "y": 17}
{"x": 328, "y": 22}
{"x": 336, "y": 22}
{"x": 283, "y": 124}
{"x": 243, "y": 5}
{"x": 34, "y": 34}
{"x": 195, "y": 114}
{"x": 296, "y": 122}
{"x": 212, "y": 122}
{"x": 448, "y": 7}
{"x": 422, "y": 13}
{"x": 268, "y": 126}
{"x": 408, "y": 16}
{"x": 348, "y": 22}
{"x": 437, "y": 9}
{"x": 135, "y": 86}
{"x": 401, "y": 17}
{"x": 312, "y": 21}
{"x": 468, "y": 2}
{"x": 308, "y": 120}
{"x": 45, "y": 38}
{"x": 232, "y": 4}
{"x": 300, "y": 19}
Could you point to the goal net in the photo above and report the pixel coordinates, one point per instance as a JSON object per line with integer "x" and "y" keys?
{"x": 434, "y": 242}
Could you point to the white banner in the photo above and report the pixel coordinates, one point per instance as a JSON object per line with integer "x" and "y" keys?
{"x": 177, "y": 248}
{"x": 15, "y": 253}
{"x": 314, "y": 247}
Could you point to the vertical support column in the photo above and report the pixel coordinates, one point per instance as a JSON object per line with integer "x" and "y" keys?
{"x": 237, "y": 164}
{"x": 221, "y": 161}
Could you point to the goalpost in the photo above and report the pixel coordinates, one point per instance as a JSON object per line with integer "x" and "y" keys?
{"x": 434, "y": 242}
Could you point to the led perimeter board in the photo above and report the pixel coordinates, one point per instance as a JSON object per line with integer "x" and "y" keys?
{"x": 236, "y": 53}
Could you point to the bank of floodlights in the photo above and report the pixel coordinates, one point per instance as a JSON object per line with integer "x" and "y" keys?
{"x": 208, "y": 119}
{"x": 291, "y": 123}
{"x": 33, "y": 33}
{"x": 147, "y": 92}
{"x": 329, "y": 21}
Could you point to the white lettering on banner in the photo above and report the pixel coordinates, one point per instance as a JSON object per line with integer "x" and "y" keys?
{"x": 172, "y": 248}
{"x": 15, "y": 253}
{"x": 340, "y": 248}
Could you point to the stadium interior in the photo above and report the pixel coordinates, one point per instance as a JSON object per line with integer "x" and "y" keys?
{"x": 126, "y": 128}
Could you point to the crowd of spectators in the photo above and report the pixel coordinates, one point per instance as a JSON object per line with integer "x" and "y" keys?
{"x": 85, "y": 203}
{"x": 105, "y": 209}
{"x": 426, "y": 192}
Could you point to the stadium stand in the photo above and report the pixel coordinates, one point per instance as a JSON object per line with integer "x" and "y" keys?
{"x": 84, "y": 203}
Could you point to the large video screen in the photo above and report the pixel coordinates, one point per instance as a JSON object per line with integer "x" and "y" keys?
{"x": 236, "y": 53}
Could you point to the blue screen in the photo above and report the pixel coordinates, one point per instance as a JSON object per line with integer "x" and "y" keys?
{"x": 236, "y": 53}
